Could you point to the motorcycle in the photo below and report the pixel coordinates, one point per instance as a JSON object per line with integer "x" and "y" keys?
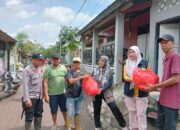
{"x": 12, "y": 82}
{"x": 152, "y": 106}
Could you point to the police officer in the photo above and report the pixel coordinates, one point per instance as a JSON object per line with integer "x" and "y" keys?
{"x": 32, "y": 92}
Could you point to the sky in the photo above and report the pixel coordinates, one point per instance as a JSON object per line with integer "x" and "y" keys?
{"x": 41, "y": 20}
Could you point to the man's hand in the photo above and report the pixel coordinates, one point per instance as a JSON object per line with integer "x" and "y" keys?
{"x": 150, "y": 88}
{"x": 47, "y": 99}
{"x": 85, "y": 76}
{"x": 28, "y": 104}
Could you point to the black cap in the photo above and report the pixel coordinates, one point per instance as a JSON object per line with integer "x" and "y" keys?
{"x": 56, "y": 55}
{"x": 166, "y": 37}
{"x": 37, "y": 56}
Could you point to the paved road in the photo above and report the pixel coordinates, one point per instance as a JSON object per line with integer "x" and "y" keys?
{"x": 10, "y": 113}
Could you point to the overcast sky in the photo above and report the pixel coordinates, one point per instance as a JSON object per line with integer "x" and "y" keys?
{"x": 41, "y": 19}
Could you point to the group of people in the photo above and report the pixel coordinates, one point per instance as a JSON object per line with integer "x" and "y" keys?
{"x": 62, "y": 87}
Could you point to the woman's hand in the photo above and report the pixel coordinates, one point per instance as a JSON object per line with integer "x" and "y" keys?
{"x": 129, "y": 80}
{"x": 100, "y": 91}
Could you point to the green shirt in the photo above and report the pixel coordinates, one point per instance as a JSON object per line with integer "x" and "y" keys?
{"x": 56, "y": 79}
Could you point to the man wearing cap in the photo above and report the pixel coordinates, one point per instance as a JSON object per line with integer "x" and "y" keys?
{"x": 74, "y": 94}
{"x": 32, "y": 92}
{"x": 169, "y": 101}
{"x": 54, "y": 88}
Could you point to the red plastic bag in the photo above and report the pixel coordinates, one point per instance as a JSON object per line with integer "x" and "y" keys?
{"x": 142, "y": 77}
{"x": 90, "y": 86}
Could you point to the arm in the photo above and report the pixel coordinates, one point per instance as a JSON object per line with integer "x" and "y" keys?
{"x": 126, "y": 77}
{"x": 45, "y": 87}
{"x": 173, "y": 80}
{"x": 25, "y": 82}
{"x": 108, "y": 84}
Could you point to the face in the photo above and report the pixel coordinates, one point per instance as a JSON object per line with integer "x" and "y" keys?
{"x": 166, "y": 46}
{"x": 55, "y": 61}
{"x": 132, "y": 54}
{"x": 76, "y": 64}
{"x": 37, "y": 62}
{"x": 101, "y": 63}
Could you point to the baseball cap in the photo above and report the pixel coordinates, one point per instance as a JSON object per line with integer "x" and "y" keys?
{"x": 56, "y": 55}
{"x": 76, "y": 59}
{"x": 37, "y": 56}
{"x": 166, "y": 37}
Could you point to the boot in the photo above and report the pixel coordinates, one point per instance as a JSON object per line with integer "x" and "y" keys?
{"x": 37, "y": 123}
{"x": 28, "y": 125}
{"x": 68, "y": 123}
{"x": 77, "y": 122}
{"x": 125, "y": 128}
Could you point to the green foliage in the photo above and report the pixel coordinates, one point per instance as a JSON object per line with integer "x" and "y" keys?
{"x": 69, "y": 39}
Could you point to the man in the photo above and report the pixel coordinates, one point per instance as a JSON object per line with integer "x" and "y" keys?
{"x": 169, "y": 101}
{"x": 74, "y": 94}
{"x": 54, "y": 88}
{"x": 32, "y": 94}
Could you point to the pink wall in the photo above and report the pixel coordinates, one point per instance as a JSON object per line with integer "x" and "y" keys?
{"x": 132, "y": 25}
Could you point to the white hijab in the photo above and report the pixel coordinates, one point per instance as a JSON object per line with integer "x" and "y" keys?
{"x": 132, "y": 64}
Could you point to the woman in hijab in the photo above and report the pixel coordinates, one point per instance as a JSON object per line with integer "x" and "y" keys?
{"x": 136, "y": 100}
{"x": 104, "y": 77}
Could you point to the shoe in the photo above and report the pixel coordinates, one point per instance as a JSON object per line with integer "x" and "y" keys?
{"x": 37, "y": 123}
{"x": 68, "y": 123}
{"x": 77, "y": 120}
{"x": 54, "y": 127}
{"x": 28, "y": 125}
{"x": 97, "y": 128}
{"x": 125, "y": 128}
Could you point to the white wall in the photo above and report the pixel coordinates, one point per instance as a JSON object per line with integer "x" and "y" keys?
{"x": 172, "y": 29}
{"x": 155, "y": 17}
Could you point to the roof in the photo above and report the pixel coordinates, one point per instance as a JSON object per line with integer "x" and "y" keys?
{"x": 110, "y": 9}
{"x": 106, "y": 12}
{"x": 6, "y": 38}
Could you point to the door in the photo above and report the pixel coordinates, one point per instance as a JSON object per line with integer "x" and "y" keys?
{"x": 142, "y": 43}
{"x": 174, "y": 30}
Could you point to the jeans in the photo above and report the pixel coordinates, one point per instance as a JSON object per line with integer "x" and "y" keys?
{"x": 57, "y": 100}
{"x": 74, "y": 106}
{"x": 114, "y": 109}
{"x": 137, "y": 107}
{"x": 167, "y": 118}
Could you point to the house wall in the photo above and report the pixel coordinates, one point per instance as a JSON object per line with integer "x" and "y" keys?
{"x": 131, "y": 28}
{"x": 156, "y": 16}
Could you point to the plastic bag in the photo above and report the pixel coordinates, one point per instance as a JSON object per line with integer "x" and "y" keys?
{"x": 142, "y": 77}
{"x": 90, "y": 86}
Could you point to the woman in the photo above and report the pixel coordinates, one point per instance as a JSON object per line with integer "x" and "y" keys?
{"x": 136, "y": 100}
{"x": 74, "y": 94}
{"x": 104, "y": 77}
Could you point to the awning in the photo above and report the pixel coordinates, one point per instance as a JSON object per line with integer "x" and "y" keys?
{"x": 6, "y": 38}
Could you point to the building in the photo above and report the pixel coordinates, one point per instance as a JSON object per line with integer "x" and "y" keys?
{"x": 130, "y": 22}
{"x": 6, "y": 54}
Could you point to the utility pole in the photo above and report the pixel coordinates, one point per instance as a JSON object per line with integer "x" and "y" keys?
{"x": 60, "y": 41}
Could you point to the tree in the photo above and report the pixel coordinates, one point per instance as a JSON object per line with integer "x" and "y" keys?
{"x": 68, "y": 38}
{"x": 21, "y": 40}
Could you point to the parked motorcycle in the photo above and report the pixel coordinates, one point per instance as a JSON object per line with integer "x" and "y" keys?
{"x": 152, "y": 106}
{"x": 12, "y": 82}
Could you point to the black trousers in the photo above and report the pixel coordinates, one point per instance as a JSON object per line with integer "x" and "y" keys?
{"x": 114, "y": 109}
{"x": 35, "y": 111}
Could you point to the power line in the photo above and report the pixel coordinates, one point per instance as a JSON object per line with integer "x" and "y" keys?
{"x": 77, "y": 12}
{"x": 90, "y": 13}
